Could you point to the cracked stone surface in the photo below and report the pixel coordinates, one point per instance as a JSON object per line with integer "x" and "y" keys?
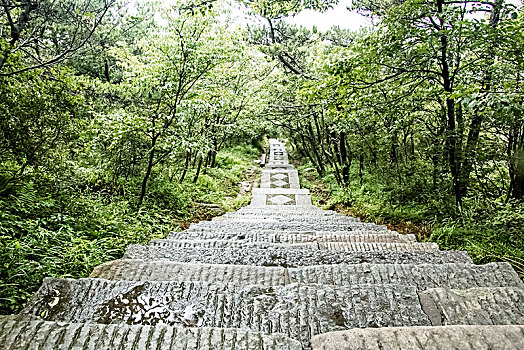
{"x": 331, "y": 246}
{"x": 297, "y": 237}
{"x": 46, "y": 335}
{"x": 474, "y": 306}
{"x": 424, "y": 338}
{"x": 290, "y": 257}
{"x": 284, "y": 226}
{"x": 423, "y": 276}
{"x": 298, "y": 311}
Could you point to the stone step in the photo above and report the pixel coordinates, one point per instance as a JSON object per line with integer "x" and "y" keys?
{"x": 290, "y": 215}
{"x": 289, "y": 226}
{"x": 272, "y": 165}
{"x": 279, "y": 179}
{"x": 474, "y": 306}
{"x": 299, "y": 236}
{"x": 290, "y": 257}
{"x": 215, "y": 243}
{"x": 280, "y": 208}
{"x": 146, "y": 270}
{"x": 423, "y": 276}
{"x": 332, "y": 246}
{"x": 298, "y": 311}
{"x": 274, "y": 196}
{"x": 274, "y": 191}
{"x": 280, "y": 214}
{"x": 288, "y": 218}
{"x": 48, "y": 335}
{"x": 423, "y": 338}
{"x": 377, "y": 247}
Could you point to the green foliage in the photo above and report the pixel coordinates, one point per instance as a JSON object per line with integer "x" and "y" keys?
{"x": 125, "y": 130}
{"x": 39, "y": 117}
{"x": 489, "y": 233}
{"x": 416, "y": 122}
{"x": 52, "y": 232}
{"x": 64, "y": 236}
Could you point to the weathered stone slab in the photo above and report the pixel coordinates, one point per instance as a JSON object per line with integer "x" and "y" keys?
{"x": 290, "y": 257}
{"x": 213, "y": 243}
{"x": 305, "y": 219}
{"x": 46, "y": 335}
{"x": 278, "y": 166}
{"x": 279, "y": 179}
{"x": 423, "y": 338}
{"x": 474, "y": 306}
{"x": 144, "y": 270}
{"x": 297, "y": 311}
{"x": 377, "y": 247}
{"x": 280, "y": 199}
{"x": 280, "y": 191}
{"x": 297, "y": 237}
{"x": 423, "y": 276}
{"x": 309, "y": 209}
{"x": 332, "y": 246}
{"x": 282, "y": 214}
{"x": 305, "y": 208}
{"x": 289, "y": 226}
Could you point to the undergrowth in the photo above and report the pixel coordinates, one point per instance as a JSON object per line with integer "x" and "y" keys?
{"x": 489, "y": 232}
{"x": 64, "y": 231}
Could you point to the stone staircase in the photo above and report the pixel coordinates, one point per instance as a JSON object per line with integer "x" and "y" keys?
{"x": 278, "y": 274}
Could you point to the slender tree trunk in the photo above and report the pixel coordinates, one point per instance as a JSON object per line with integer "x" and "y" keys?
{"x": 361, "y": 169}
{"x": 198, "y": 169}
{"x": 344, "y": 158}
{"x": 338, "y": 158}
{"x": 186, "y": 166}
{"x": 451, "y": 137}
{"x": 148, "y": 173}
{"x": 516, "y": 159}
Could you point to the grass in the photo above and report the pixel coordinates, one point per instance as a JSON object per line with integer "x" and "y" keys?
{"x": 489, "y": 233}
{"x": 69, "y": 232}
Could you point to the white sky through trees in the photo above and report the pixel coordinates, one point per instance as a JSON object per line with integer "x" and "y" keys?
{"x": 339, "y": 15}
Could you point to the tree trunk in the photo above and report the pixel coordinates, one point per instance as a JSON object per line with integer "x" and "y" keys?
{"x": 451, "y": 137}
{"x": 360, "y": 169}
{"x": 186, "y": 166}
{"x": 344, "y": 158}
{"x": 198, "y": 169}
{"x": 476, "y": 122}
{"x": 148, "y": 173}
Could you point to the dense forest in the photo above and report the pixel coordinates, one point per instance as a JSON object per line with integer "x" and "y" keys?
{"x": 118, "y": 119}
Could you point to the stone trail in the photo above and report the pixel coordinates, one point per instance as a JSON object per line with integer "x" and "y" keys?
{"x": 278, "y": 274}
{"x": 294, "y": 237}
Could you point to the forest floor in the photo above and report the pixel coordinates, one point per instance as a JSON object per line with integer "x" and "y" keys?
{"x": 487, "y": 238}
{"x": 67, "y": 231}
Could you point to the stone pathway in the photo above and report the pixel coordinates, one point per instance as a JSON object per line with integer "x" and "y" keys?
{"x": 278, "y": 274}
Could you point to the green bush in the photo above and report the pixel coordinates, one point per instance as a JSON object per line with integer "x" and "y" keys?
{"x": 66, "y": 230}
{"x": 488, "y": 230}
